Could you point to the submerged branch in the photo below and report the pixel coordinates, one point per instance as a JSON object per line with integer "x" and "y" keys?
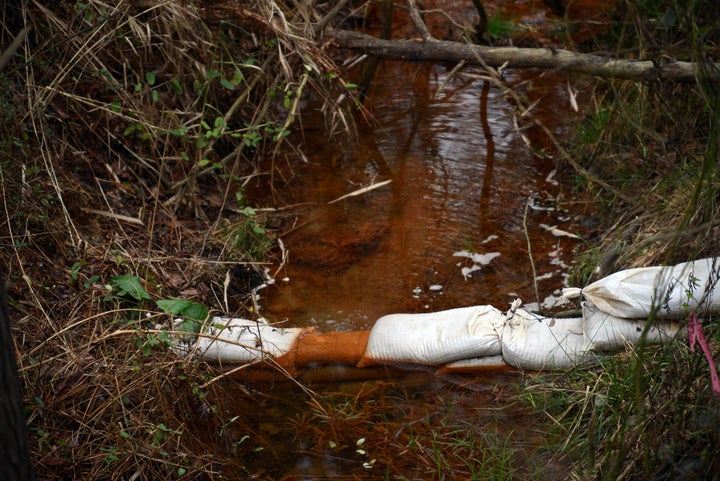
{"x": 514, "y": 57}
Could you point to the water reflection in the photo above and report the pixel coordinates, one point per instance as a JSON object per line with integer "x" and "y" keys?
{"x": 461, "y": 176}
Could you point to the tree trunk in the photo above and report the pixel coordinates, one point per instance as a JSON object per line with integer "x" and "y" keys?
{"x": 15, "y": 462}
{"x": 514, "y": 57}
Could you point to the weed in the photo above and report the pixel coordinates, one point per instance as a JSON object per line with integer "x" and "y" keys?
{"x": 499, "y": 27}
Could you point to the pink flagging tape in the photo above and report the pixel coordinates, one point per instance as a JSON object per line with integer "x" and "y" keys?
{"x": 695, "y": 333}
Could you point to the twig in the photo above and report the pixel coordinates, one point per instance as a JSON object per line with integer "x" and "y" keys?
{"x": 418, "y": 21}
{"x": 330, "y": 15}
{"x": 449, "y": 77}
{"x": 361, "y": 191}
{"x": 112, "y": 215}
{"x": 529, "y": 248}
{"x": 10, "y": 51}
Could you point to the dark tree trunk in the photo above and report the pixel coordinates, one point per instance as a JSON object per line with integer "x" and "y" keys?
{"x": 15, "y": 462}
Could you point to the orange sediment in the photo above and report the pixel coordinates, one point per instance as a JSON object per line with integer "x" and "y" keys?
{"x": 331, "y": 348}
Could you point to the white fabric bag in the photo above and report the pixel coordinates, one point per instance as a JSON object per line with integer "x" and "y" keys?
{"x": 490, "y": 363}
{"x": 604, "y": 332}
{"x": 243, "y": 340}
{"x": 633, "y": 293}
{"x": 531, "y": 341}
{"x": 434, "y": 338}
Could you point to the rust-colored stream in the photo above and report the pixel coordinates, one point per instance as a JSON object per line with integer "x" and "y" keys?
{"x": 462, "y": 177}
{"x": 464, "y": 183}
{"x": 461, "y": 180}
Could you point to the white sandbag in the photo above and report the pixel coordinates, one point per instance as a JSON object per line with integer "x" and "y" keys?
{"x": 604, "y": 332}
{"x": 434, "y": 338}
{"x": 243, "y": 340}
{"x": 495, "y": 362}
{"x": 535, "y": 342}
{"x": 633, "y": 293}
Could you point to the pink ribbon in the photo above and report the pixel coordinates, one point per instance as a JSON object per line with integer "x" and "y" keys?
{"x": 695, "y": 333}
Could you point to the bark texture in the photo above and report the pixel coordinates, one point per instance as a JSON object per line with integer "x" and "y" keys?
{"x": 514, "y": 57}
{"x": 15, "y": 462}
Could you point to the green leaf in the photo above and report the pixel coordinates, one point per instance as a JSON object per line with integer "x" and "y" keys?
{"x": 173, "y": 306}
{"x": 150, "y": 78}
{"x": 74, "y": 270}
{"x": 227, "y": 84}
{"x": 129, "y": 285}
{"x": 196, "y": 311}
{"x": 211, "y": 74}
{"x": 176, "y": 86}
{"x": 184, "y": 308}
{"x": 92, "y": 280}
{"x": 237, "y": 77}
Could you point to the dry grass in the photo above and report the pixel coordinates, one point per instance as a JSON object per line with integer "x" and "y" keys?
{"x": 130, "y": 129}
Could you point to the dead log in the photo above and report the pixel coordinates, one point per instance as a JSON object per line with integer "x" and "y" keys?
{"x": 514, "y": 57}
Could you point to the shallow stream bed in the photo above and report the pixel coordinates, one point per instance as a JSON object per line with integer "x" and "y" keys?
{"x": 472, "y": 215}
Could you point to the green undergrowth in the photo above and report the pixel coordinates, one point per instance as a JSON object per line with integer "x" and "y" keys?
{"x": 651, "y": 154}
{"x": 648, "y": 414}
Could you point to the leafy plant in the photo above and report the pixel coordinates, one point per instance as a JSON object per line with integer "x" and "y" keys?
{"x": 129, "y": 285}
{"x": 192, "y": 313}
{"x": 184, "y": 308}
{"x": 500, "y": 27}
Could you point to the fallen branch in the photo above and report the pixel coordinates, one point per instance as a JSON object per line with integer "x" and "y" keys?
{"x": 361, "y": 191}
{"x": 514, "y": 57}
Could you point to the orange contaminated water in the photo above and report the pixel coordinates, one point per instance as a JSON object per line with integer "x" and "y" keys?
{"x": 465, "y": 220}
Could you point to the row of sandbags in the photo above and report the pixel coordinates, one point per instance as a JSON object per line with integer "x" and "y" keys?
{"x": 614, "y": 313}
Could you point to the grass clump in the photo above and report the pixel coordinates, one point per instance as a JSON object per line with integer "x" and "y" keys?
{"x": 645, "y": 415}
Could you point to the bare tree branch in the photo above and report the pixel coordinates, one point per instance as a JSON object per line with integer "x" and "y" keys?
{"x": 514, "y": 57}
{"x": 418, "y": 21}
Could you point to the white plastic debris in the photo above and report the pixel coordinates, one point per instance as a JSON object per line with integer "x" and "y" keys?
{"x": 531, "y": 341}
{"x": 434, "y": 338}
{"x": 242, "y": 340}
{"x": 559, "y": 232}
{"x": 674, "y": 291}
{"x": 604, "y": 332}
{"x": 478, "y": 260}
